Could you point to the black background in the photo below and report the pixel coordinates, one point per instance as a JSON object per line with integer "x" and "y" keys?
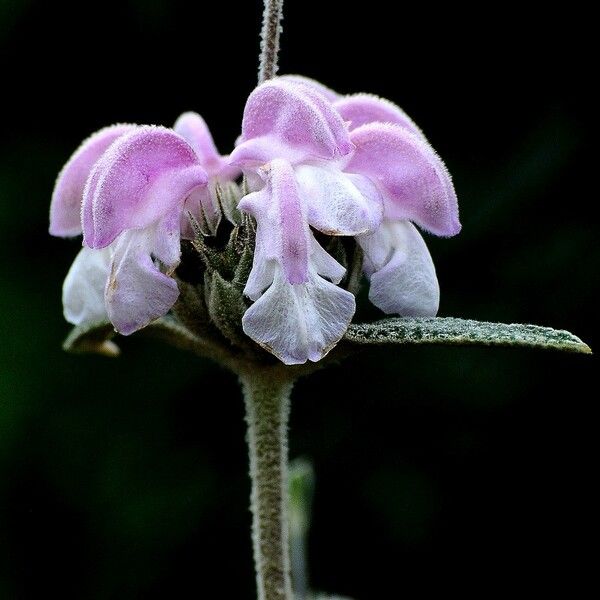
{"x": 454, "y": 471}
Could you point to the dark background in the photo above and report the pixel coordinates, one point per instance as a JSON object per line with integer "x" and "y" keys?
{"x": 454, "y": 471}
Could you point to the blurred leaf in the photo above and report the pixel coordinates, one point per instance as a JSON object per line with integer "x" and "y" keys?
{"x": 301, "y": 483}
{"x": 93, "y": 339}
{"x": 463, "y": 332}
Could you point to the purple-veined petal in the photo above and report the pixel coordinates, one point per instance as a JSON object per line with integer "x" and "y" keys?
{"x": 65, "y": 208}
{"x": 140, "y": 178}
{"x": 282, "y": 226}
{"x": 406, "y": 284}
{"x": 336, "y": 206}
{"x": 360, "y": 109}
{"x": 299, "y": 322}
{"x": 193, "y": 128}
{"x": 83, "y": 289}
{"x": 137, "y": 292}
{"x": 415, "y": 183}
{"x": 328, "y": 93}
{"x": 292, "y": 117}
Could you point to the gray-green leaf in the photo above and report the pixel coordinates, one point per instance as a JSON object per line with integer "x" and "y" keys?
{"x": 463, "y": 332}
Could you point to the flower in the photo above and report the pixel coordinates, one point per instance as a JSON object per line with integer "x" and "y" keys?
{"x": 401, "y": 272}
{"x": 345, "y": 166}
{"x": 128, "y": 189}
{"x": 292, "y": 141}
{"x": 302, "y": 313}
{"x": 316, "y": 163}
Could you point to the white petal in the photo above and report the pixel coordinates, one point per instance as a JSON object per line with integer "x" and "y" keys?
{"x": 324, "y": 264}
{"x": 407, "y": 285}
{"x": 166, "y": 239}
{"x": 261, "y": 276}
{"x": 299, "y": 322}
{"x": 83, "y": 289}
{"x": 336, "y": 204}
{"x": 266, "y": 246}
{"x": 137, "y": 292}
{"x": 377, "y": 247}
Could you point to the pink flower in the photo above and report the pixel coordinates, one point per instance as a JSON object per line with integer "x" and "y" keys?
{"x": 125, "y": 189}
{"x": 315, "y": 161}
{"x": 348, "y": 166}
{"x": 302, "y": 313}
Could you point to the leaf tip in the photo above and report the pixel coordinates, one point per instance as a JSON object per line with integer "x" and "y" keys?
{"x": 585, "y": 349}
{"x": 92, "y": 339}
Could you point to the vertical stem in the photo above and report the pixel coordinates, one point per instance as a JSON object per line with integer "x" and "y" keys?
{"x": 269, "y": 39}
{"x": 267, "y": 398}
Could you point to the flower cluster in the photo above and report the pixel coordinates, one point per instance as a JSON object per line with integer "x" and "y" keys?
{"x": 127, "y": 189}
{"x": 314, "y": 161}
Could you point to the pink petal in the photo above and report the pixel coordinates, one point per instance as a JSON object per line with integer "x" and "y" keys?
{"x": 194, "y": 130}
{"x": 137, "y": 292}
{"x": 336, "y": 206}
{"x": 282, "y": 227}
{"x": 415, "y": 183}
{"x": 255, "y": 153}
{"x": 292, "y": 116}
{"x": 406, "y": 284}
{"x": 65, "y": 208}
{"x": 142, "y": 176}
{"x": 328, "y": 93}
{"x": 360, "y": 109}
{"x": 299, "y": 322}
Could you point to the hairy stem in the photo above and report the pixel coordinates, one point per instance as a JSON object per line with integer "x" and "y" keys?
{"x": 269, "y": 39}
{"x": 267, "y": 397}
